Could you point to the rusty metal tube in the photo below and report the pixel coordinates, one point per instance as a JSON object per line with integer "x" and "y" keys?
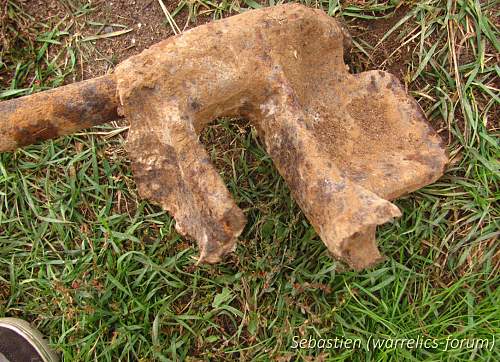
{"x": 57, "y": 112}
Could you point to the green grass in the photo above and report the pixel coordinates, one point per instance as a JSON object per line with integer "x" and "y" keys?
{"x": 105, "y": 275}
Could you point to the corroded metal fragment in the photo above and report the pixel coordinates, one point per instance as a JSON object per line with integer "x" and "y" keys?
{"x": 344, "y": 143}
{"x": 57, "y": 112}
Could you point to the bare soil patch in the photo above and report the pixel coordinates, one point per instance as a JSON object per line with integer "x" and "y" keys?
{"x": 389, "y": 55}
{"x": 149, "y": 25}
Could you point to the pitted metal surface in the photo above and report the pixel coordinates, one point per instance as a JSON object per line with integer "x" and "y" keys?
{"x": 345, "y": 143}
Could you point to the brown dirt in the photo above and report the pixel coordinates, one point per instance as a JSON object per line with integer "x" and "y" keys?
{"x": 371, "y": 31}
{"x": 145, "y": 17}
{"x": 150, "y": 26}
{"x": 148, "y": 22}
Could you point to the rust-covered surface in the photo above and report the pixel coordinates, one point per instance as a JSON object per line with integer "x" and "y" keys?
{"x": 345, "y": 144}
{"x": 57, "y": 112}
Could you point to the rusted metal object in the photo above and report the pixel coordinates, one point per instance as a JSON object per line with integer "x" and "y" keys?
{"x": 344, "y": 143}
{"x": 57, "y": 112}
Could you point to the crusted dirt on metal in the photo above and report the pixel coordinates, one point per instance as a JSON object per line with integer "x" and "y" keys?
{"x": 345, "y": 144}
{"x": 57, "y": 112}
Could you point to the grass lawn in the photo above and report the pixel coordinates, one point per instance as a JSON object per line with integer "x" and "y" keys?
{"x": 105, "y": 275}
